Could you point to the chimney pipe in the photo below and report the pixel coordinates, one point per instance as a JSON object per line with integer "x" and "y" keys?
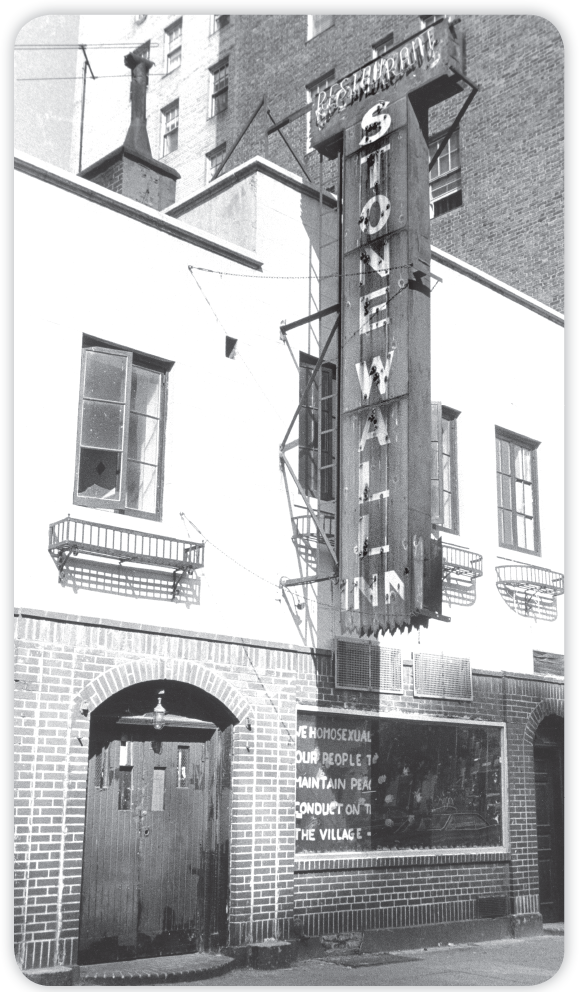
{"x": 137, "y": 139}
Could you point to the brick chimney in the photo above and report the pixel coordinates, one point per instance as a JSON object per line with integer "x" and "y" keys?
{"x": 131, "y": 169}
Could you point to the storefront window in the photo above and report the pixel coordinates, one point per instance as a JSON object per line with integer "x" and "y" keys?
{"x": 368, "y": 784}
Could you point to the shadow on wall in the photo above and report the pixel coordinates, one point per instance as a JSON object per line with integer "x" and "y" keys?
{"x": 134, "y": 583}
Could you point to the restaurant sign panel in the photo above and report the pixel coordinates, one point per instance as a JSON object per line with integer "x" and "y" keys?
{"x": 384, "y": 784}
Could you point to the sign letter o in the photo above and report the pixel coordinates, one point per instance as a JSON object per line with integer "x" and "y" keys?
{"x": 375, "y": 123}
{"x": 383, "y": 213}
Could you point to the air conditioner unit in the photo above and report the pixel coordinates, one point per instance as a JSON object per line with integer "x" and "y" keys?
{"x": 363, "y": 664}
{"x": 440, "y": 677}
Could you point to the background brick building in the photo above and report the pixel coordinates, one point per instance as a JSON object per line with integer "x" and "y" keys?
{"x": 508, "y": 168}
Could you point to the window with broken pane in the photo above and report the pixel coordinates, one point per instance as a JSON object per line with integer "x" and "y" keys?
{"x": 121, "y": 431}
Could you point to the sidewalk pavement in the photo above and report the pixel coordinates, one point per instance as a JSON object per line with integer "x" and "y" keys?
{"x": 524, "y": 961}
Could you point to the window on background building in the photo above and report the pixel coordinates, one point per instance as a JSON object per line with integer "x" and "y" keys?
{"x": 317, "y": 23}
{"x": 144, "y": 51}
{"x": 383, "y": 45}
{"x": 121, "y": 430}
{"x": 173, "y": 45}
{"x": 445, "y": 178}
{"x": 170, "y": 128}
{"x": 517, "y": 492}
{"x": 313, "y": 89}
{"x": 444, "y": 473}
{"x": 219, "y": 21}
{"x": 317, "y": 429}
{"x": 213, "y": 160}
{"x": 219, "y": 87}
{"x": 427, "y": 19}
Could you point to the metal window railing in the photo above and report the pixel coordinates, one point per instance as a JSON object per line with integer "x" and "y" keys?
{"x": 71, "y": 536}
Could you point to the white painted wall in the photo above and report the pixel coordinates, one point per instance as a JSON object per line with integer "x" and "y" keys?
{"x": 83, "y": 268}
{"x": 500, "y": 364}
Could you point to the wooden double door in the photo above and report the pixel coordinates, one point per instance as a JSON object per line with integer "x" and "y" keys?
{"x": 155, "y": 868}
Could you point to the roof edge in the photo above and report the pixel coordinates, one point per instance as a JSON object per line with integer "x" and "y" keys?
{"x": 175, "y": 228}
{"x": 253, "y": 165}
{"x": 496, "y": 285}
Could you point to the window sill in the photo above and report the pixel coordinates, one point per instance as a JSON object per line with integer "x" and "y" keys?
{"x": 320, "y": 33}
{"x": 519, "y": 551}
{"x": 398, "y": 859}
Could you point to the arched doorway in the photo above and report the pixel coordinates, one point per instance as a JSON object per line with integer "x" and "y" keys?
{"x": 156, "y": 852}
{"x": 548, "y": 759}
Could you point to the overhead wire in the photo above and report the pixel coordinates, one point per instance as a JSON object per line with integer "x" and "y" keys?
{"x": 238, "y": 355}
{"x": 45, "y": 79}
{"x": 259, "y": 275}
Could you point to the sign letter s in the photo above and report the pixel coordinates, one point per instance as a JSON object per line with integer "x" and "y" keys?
{"x": 375, "y": 123}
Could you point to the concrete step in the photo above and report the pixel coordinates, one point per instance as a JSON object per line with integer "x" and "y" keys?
{"x": 157, "y": 971}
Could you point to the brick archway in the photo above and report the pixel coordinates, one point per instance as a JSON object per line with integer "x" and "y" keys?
{"x": 547, "y": 707}
{"x": 133, "y": 672}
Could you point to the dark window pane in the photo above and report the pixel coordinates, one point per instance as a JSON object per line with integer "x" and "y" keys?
{"x": 182, "y": 767}
{"x": 145, "y": 391}
{"x": 141, "y": 487}
{"x": 99, "y": 473}
{"x": 102, "y": 425}
{"x": 507, "y": 522}
{"x": 125, "y": 782}
{"x": 105, "y": 376}
{"x": 143, "y": 439}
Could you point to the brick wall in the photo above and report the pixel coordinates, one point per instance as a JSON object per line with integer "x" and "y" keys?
{"x": 340, "y": 894}
{"x": 61, "y": 665}
{"x": 67, "y": 664}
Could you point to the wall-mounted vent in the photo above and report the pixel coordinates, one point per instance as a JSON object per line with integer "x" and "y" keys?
{"x": 439, "y": 677}
{"x": 365, "y": 665}
{"x": 491, "y": 907}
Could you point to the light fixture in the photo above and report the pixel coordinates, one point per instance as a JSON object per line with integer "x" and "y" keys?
{"x": 159, "y": 713}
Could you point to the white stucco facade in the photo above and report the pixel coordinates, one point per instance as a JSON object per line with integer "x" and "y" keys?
{"x": 91, "y": 262}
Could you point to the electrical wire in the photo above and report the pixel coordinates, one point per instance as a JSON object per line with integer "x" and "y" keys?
{"x": 253, "y": 275}
{"x": 97, "y": 44}
{"x": 259, "y": 679}
{"x": 268, "y": 582}
{"x": 45, "y": 79}
{"x": 239, "y": 357}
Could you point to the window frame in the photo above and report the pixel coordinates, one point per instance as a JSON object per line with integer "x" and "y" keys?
{"x": 310, "y": 415}
{"x": 216, "y": 24}
{"x": 173, "y": 47}
{"x": 446, "y": 414}
{"x": 311, "y": 23}
{"x": 527, "y": 444}
{"x": 221, "y": 149}
{"x": 140, "y": 360}
{"x": 215, "y": 94}
{"x": 427, "y": 20}
{"x": 384, "y": 45}
{"x": 456, "y": 172}
{"x": 165, "y": 132}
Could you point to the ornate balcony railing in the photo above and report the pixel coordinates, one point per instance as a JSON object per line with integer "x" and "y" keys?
{"x": 461, "y": 562}
{"x": 81, "y": 537}
{"x": 530, "y": 590}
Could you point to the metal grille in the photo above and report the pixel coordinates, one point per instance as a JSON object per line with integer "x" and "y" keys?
{"x": 364, "y": 665}
{"x": 437, "y": 676}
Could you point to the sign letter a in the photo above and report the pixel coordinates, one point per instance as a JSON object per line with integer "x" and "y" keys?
{"x": 374, "y": 427}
